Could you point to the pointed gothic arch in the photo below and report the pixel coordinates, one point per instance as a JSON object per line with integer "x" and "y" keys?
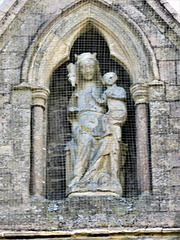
{"x": 128, "y": 46}
{"x": 127, "y": 43}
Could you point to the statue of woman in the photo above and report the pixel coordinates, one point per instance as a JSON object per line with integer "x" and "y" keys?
{"x": 91, "y": 168}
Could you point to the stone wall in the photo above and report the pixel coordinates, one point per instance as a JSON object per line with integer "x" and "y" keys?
{"x": 23, "y": 28}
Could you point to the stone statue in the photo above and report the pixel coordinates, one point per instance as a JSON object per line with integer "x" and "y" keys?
{"x": 93, "y": 156}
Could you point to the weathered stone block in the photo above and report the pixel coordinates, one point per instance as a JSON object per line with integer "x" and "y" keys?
{"x": 154, "y": 205}
{"x": 5, "y": 113}
{"x": 19, "y": 162}
{"x": 172, "y": 191}
{"x": 157, "y": 144}
{"x": 6, "y": 21}
{"x": 165, "y": 160}
{"x": 17, "y": 44}
{"x": 4, "y": 160}
{"x": 22, "y": 148}
{"x": 6, "y": 131}
{"x": 178, "y": 72}
{"x": 174, "y": 125}
{"x": 174, "y": 204}
{"x": 172, "y": 142}
{"x": 167, "y": 53}
{"x": 10, "y": 30}
{"x": 21, "y": 183}
{"x": 6, "y": 150}
{"x": 159, "y": 191}
{"x": 5, "y": 179}
{"x": 50, "y": 8}
{"x": 21, "y": 115}
{"x": 159, "y": 109}
{"x": 174, "y": 178}
{"x": 164, "y": 205}
{"x": 173, "y": 159}
{"x": 172, "y": 93}
{"x": 28, "y": 8}
{"x": 156, "y": 91}
{"x": 155, "y": 36}
{"x": 167, "y": 72}
{"x": 160, "y": 177}
{"x": 5, "y": 87}
{"x": 159, "y": 124}
{"x": 158, "y": 160}
{"x": 20, "y": 131}
{"x": 30, "y": 27}
{"x": 5, "y": 98}
{"x": 175, "y": 109}
{"x": 13, "y": 60}
{"x": 10, "y": 198}
{"x": 21, "y": 98}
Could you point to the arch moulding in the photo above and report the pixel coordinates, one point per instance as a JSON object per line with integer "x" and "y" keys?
{"x": 127, "y": 43}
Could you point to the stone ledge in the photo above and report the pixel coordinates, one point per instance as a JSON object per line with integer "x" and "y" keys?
{"x": 94, "y": 232}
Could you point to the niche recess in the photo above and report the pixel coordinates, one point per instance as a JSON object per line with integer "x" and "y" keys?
{"x": 59, "y": 128}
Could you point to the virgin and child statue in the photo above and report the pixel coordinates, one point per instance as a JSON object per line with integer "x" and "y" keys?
{"x": 96, "y": 111}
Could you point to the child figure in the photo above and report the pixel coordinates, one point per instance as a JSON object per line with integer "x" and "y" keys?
{"x": 115, "y": 97}
{"x": 113, "y": 120}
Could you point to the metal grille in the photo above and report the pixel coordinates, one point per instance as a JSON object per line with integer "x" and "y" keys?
{"x": 59, "y": 129}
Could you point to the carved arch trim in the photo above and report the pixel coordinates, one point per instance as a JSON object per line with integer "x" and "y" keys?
{"x": 127, "y": 43}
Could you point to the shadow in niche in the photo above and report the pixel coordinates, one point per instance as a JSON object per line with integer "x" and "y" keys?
{"x": 59, "y": 128}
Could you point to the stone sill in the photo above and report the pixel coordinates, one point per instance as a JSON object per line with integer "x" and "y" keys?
{"x": 105, "y": 233}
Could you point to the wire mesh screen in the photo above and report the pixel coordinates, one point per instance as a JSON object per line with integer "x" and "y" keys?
{"x": 44, "y": 127}
{"x": 59, "y": 128}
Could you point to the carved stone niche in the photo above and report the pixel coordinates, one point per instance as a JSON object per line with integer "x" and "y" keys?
{"x": 96, "y": 155}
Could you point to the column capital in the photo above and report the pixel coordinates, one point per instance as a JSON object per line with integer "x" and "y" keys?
{"x": 22, "y": 86}
{"x": 39, "y": 95}
{"x": 139, "y": 93}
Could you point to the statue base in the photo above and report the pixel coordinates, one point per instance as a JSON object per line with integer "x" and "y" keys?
{"x": 93, "y": 194}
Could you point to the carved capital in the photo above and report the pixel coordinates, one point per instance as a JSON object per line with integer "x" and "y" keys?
{"x": 39, "y": 96}
{"x": 139, "y": 93}
{"x": 23, "y": 86}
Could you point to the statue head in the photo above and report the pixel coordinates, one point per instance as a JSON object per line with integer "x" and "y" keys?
{"x": 109, "y": 78}
{"x": 87, "y": 67}
{"x": 85, "y": 56}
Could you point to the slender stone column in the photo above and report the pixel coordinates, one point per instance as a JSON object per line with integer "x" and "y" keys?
{"x": 39, "y": 97}
{"x": 139, "y": 93}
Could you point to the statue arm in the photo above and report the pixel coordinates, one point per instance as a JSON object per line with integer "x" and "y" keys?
{"x": 100, "y": 100}
{"x": 71, "y": 74}
{"x": 73, "y": 105}
{"x": 123, "y": 94}
{"x": 117, "y": 93}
